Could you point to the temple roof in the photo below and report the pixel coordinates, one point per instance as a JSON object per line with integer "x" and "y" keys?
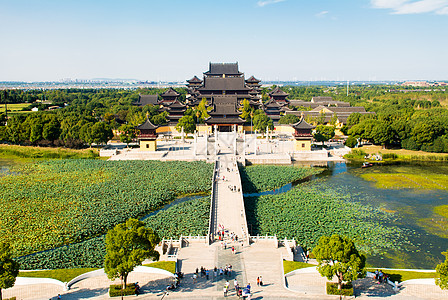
{"x": 278, "y": 92}
{"x": 147, "y": 125}
{"x": 223, "y": 84}
{"x": 252, "y": 79}
{"x": 225, "y": 105}
{"x": 170, "y": 92}
{"x": 148, "y": 99}
{"x": 176, "y": 104}
{"x": 302, "y": 124}
{"x": 195, "y": 79}
{"x": 272, "y": 104}
{"x": 223, "y": 68}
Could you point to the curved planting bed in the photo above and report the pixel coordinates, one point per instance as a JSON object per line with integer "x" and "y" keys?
{"x": 52, "y": 203}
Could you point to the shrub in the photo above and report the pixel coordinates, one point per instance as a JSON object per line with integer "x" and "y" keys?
{"x": 356, "y": 154}
{"x": 116, "y": 291}
{"x": 351, "y": 142}
{"x": 332, "y": 289}
{"x": 390, "y": 156}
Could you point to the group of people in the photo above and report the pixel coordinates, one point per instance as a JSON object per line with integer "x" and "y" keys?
{"x": 380, "y": 277}
{"x": 243, "y": 292}
{"x": 234, "y": 188}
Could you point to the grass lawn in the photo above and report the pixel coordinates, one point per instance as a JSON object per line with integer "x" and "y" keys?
{"x": 28, "y": 152}
{"x": 289, "y": 266}
{"x": 398, "y": 275}
{"x": 169, "y": 266}
{"x": 64, "y": 275}
{"x": 14, "y": 107}
{"x": 403, "y": 153}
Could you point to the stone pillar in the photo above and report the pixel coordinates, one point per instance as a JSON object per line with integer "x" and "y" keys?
{"x": 195, "y": 143}
{"x": 244, "y": 143}
{"x": 206, "y": 144}
{"x": 216, "y": 140}
{"x": 255, "y": 142}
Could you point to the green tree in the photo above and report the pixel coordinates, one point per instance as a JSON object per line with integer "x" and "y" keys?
{"x": 51, "y": 130}
{"x": 101, "y": 133}
{"x": 442, "y": 273}
{"x": 187, "y": 123}
{"x": 127, "y": 246}
{"x": 382, "y": 134}
{"x": 351, "y": 142}
{"x": 354, "y": 119}
{"x": 246, "y": 111}
{"x": 323, "y": 133}
{"x": 202, "y": 111}
{"x": 85, "y": 133}
{"x": 9, "y": 268}
{"x": 262, "y": 121}
{"x": 288, "y": 119}
{"x": 338, "y": 256}
{"x": 127, "y": 133}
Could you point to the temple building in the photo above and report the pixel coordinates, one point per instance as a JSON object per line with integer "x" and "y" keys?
{"x": 169, "y": 96}
{"x": 223, "y": 79}
{"x": 147, "y": 136}
{"x": 225, "y": 114}
{"x": 279, "y": 96}
{"x": 175, "y": 110}
{"x": 303, "y": 135}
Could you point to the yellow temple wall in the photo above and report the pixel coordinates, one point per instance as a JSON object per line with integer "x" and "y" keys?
{"x": 148, "y": 145}
{"x": 302, "y": 145}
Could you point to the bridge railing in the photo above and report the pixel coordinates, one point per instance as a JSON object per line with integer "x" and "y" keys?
{"x": 245, "y": 229}
{"x": 212, "y": 216}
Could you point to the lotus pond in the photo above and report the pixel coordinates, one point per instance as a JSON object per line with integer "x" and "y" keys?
{"x": 416, "y": 193}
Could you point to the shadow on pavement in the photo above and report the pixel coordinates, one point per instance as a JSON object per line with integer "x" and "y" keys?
{"x": 369, "y": 287}
{"x": 84, "y": 293}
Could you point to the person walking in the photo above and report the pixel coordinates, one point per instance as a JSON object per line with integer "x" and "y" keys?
{"x": 225, "y": 291}
{"x": 258, "y": 281}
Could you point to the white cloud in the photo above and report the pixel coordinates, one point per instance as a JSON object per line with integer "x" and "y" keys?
{"x": 322, "y": 14}
{"x": 403, "y": 7}
{"x": 267, "y": 2}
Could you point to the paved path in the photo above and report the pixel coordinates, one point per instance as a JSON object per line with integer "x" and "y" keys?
{"x": 229, "y": 198}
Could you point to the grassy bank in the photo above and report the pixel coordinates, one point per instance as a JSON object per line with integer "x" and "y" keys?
{"x": 169, "y": 266}
{"x": 31, "y": 153}
{"x": 64, "y": 275}
{"x": 395, "y": 154}
{"x": 289, "y": 266}
{"x": 402, "y": 275}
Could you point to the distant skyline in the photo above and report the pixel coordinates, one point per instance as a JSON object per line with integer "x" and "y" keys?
{"x": 173, "y": 40}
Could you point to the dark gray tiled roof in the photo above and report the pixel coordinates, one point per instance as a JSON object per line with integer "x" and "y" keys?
{"x": 278, "y": 92}
{"x": 302, "y": 124}
{"x": 195, "y": 79}
{"x": 223, "y": 84}
{"x": 148, "y": 99}
{"x": 147, "y": 125}
{"x": 252, "y": 79}
{"x": 170, "y": 92}
{"x": 223, "y": 68}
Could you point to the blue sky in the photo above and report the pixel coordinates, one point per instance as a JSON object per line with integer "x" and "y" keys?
{"x": 271, "y": 39}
